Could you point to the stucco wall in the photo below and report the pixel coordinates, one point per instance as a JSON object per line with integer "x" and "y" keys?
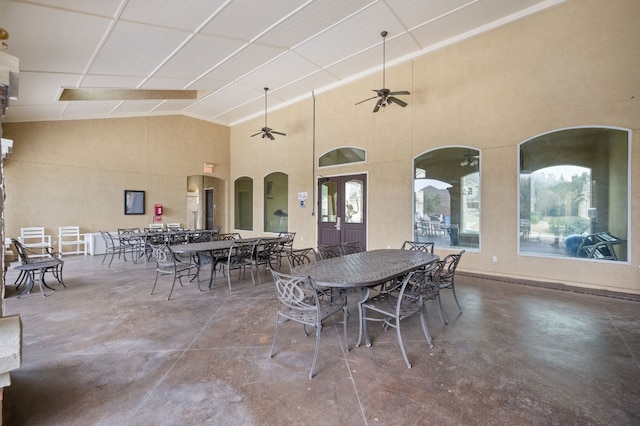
{"x": 572, "y": 65}
{"x": 75, "y": 172}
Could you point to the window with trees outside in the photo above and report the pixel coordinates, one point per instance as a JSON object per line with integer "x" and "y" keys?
{"x": 447, "y": 197}
{"x": 574, "y": 194}
{"x": 243, "y": 208}
{"x": 276, "y": 202}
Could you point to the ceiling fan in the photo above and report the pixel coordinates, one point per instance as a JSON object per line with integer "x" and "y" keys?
{"x": 384, "y": 95}
{"x": 470, "y": 160}
{"x": 267, "y": 132}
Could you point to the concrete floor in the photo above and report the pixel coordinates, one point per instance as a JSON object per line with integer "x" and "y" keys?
{"x": 105, "y": 351}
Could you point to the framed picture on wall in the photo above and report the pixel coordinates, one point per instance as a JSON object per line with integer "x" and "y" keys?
{"x": 133, "y": 202}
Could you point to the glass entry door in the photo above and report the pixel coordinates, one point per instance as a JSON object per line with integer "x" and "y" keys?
{"x": 342, "y": 210}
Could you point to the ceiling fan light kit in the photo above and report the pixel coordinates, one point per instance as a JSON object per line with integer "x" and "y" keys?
{"x": 266, "y": 132}
{"x": 469, "y": 160}
{"x": 385, "y": 96}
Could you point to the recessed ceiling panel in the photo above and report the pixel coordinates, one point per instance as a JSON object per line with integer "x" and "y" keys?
{"x": 106, "y": 8}
{"x": 123, "y": 54}
{"x": 364, "y": 62}
{"x": 232, "y": 95}
{"x": 208, "y": 84}
{"x": 133, "y": 107}
{"x": 246, "y": 19}
{"x": 304, "y": 87}
{"x": 251, "y": 110}
{"x": 118, "y": 81}
{"x": 415, "y": 12}
{"x": 203, "y": 111}
{"x": 345, "y": 41}
{"x": 314, "y": 18}
{"x": 185, "y": 15}
{"x": 166, "y": 83}
{"x": 250, "y": 58}
{"x": 285, "y": 69}
{"x": 468, "y": 21}
{"x": 198, "y": 56}
{"x": 48, "y": 40}
{"x": 172, "y": 106}
{"x": 370, "y": 61}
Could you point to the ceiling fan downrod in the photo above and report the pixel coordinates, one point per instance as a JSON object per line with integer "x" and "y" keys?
{"x": 266, "y": 89}
{"x": 384, "y": 55}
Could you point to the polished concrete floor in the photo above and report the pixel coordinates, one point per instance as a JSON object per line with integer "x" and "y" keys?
{"x": 104, "y": 351}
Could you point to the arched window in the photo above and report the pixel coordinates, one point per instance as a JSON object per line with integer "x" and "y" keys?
{"x": 574, "y": 194}
{"x": 447, "y": 197}
{"x": 276, "y": 202}
{"x": 344, "y": 155}
{"x": 243, "y": 194}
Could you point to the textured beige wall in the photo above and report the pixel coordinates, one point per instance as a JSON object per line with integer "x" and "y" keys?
{"x": 75, "y": 172}
{"x": 573, "y": 65}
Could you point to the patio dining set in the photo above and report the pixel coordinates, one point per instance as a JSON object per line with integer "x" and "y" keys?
{"x": 392, "y": 285}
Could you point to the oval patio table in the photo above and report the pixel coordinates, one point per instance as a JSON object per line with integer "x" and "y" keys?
{"x": 365, "y": 269}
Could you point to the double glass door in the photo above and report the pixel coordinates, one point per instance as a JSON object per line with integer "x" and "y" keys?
{"x": 342, "y": 210}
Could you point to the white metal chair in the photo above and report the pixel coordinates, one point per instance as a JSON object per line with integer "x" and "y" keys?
{"x": 33, "y": 237}
{"x": 156, "y": 226}
{"x": 71, "y": 236}
{"x": 174, "y": 226}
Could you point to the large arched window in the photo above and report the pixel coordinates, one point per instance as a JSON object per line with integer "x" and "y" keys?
{"x": 243, "y": 194}
{"x": 276, "y": 202}
{"x": 574, "y": 191}
{"x": 447, "y": 197}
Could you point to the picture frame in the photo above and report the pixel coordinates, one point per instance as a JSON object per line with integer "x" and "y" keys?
{"x": 133, "y": 202}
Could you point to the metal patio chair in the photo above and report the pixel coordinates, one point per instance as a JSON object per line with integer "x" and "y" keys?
{"x": 393, "y": 307}
{"x": 298, "y": 301}
{"x": 168, "y": 264}
{"x": 446, "y": 280}
{"x": 426, "y": 247}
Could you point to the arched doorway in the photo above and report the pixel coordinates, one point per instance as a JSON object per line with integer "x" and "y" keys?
{"x": 206, "y": 202}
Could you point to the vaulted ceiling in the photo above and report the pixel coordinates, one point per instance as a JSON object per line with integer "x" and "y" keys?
{"x": 221, "y": 53}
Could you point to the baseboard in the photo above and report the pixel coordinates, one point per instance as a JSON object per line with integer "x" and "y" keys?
{"x": 557, "y": 286}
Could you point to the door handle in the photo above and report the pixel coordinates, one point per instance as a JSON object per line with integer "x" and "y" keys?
{"x": 337, "y": 225}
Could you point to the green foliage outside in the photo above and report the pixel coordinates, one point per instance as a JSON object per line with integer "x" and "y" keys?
{"x": 568, "y": 225}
